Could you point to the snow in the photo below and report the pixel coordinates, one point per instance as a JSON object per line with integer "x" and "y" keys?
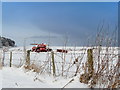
{"x": 0, "y": 79}
{"x": 18, "y": 78}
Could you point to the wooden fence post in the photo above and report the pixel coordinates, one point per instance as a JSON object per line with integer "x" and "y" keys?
{"x": 53, "y": 62}
{"x": 0, "y": 61}
{"x": 28, "y": 58}
{"x": 84, "y": 78}
{"x": 10, "y": 59}
{"x": 3, "y": 58}
{"x": 90, "y": 62}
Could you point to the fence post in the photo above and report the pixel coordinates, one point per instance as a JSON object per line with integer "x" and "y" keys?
{"x": 84, "y": 78}
{"x": 10, "y": 59}
{"x": 28, "y": 58}
{"x": 90, "y": 62}
{"x": 3, "y": 58}
{"x": 53, "y": 62}
{"x": 0, "y": 62}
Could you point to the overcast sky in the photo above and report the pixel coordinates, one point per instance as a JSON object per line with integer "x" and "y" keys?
{"x": 0, "y": 18}
{"x": 37, "y": 21}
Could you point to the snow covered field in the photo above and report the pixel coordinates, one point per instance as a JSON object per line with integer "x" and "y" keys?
{"x": 18, "y": 77}
{"x": 1, "y": 79}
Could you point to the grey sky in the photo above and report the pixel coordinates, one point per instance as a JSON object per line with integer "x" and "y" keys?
{"x": 38, "y": 21}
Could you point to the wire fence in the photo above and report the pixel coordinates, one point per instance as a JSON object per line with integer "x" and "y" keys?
{"x": 65, "y": 63}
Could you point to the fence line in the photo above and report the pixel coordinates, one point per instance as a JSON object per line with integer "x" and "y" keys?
{"x": 48, "y": 60}
{"x": 61, "y": 53}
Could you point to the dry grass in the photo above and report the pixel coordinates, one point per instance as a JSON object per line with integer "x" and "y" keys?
{"x": 106, "y": 62}
{"x": 33, "y": 67}
{"x": 107, "y": 65}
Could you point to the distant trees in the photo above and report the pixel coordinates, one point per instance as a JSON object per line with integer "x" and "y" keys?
{"x": 6, "y": 42}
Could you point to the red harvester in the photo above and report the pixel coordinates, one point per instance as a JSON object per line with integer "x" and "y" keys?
{"x": 40, "y": 48}
{"x": 62, "y": 50}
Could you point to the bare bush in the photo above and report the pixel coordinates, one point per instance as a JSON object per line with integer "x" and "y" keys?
{"x": 106, "y": 62}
